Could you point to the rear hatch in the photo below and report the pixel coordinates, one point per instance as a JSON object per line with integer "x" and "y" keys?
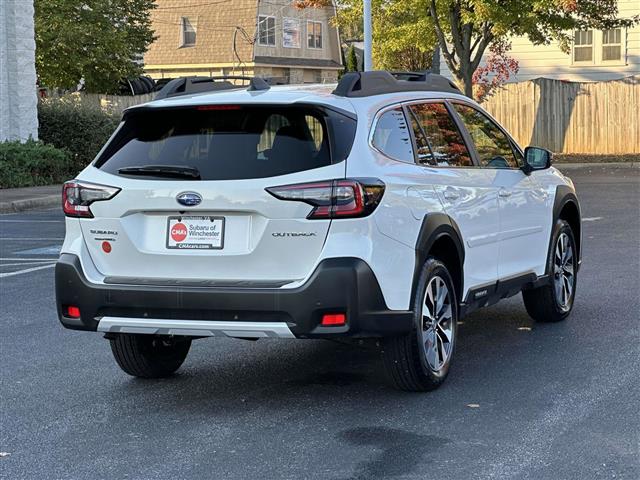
{"x": 192, "y": 207}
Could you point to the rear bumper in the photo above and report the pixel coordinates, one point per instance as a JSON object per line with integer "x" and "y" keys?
{"x": 338, "y": 285}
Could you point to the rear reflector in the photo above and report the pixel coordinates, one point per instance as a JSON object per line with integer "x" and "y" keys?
{"x": 73, "y": 312}
{"x": 333, "y": 319}
{"x": 347, "y": 198}
{"x": 77, "y": 196}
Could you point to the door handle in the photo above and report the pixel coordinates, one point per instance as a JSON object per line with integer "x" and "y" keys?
{"x": 504, "y": 193}
{"x": 451, "y": 195}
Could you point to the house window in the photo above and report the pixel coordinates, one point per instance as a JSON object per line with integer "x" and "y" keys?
{"x": 266, "y": 30}
{"x": 188, "y": 33}
{"x": 583, "y": 46}
{"x": 612, "y": 45}
{"x": 314, "y": 34}
{"x": 291, "y": 33}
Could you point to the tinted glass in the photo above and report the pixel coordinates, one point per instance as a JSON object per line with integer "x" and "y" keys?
{"x": 438, "y": 139}
{"x": 392, "y": 136}
{"x": 231, "y": 142}
{"x": 493, "y": 146}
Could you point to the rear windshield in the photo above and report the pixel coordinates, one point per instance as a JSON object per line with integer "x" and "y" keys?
{"x": 230, "y": 142}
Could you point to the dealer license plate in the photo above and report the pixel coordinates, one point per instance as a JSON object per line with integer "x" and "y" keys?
{"x": 196, "y": 233}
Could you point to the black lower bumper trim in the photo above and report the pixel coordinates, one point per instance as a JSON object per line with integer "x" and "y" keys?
{"x": 337, "y": 285}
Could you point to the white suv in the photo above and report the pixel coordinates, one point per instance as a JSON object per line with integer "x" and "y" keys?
{"x": 388, "y": 206}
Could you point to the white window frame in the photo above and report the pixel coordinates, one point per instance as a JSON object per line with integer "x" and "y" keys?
{"x": 292, "y": 19}
{"x": 183, "y": 43}
{"x": 623, "y": 42}
{"x": 593, "y": 48}
{"x": 313, "y": 23}
{"x": 597, "y": 45}
{"x": 262, "y": 18}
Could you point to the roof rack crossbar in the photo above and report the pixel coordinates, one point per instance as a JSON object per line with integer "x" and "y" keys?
{"x": 190, "y": 85}
{"x": 365, "y": 84}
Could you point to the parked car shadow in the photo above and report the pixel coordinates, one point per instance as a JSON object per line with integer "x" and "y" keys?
{"x": 226, "y": 376}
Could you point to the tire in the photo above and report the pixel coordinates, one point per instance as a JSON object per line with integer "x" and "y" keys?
{"x": 149, "y": 356}
{"x": 554, "y": 302}
{"x": 410, "y": 360}
{"x": 148, "y": 84}
{"x": 136, "y": 86}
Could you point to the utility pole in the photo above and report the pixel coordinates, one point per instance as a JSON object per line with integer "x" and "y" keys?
{"x": 368, "y": 63}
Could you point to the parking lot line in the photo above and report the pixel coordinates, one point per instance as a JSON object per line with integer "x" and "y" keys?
{"x": 31, "y": 239}
{"x": 27, "y": 270}
{"x": 18, "y": 259}
{"x": 36, "y": 262}
{"x": 32, "y": 221}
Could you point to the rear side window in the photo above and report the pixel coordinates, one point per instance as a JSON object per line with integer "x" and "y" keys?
{"x": 231, "y": 142}
{"x": 392, "y": 137}
{"x": 439, "y": 141}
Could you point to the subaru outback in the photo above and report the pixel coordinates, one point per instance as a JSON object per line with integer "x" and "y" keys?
{"x": 385, "y": 207}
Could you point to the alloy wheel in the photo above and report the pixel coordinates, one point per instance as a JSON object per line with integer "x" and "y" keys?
{"x": 437, "y": 324}
{"x": 563, "y": 272}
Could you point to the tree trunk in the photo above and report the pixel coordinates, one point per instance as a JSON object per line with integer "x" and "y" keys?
{"x": 468, "y": 84}
{"x": 464, "y": 76}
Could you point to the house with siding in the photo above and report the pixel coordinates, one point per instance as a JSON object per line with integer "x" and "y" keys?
{"x": 595, "y": 55}
{"x": 266, "y": 38}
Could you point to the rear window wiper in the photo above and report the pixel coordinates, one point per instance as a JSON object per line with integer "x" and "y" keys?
{"x": 169, "y": 171}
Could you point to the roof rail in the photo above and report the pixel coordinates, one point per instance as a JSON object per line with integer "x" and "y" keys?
{"x": 365, "y": 84}
{"x": 190, "y": 85}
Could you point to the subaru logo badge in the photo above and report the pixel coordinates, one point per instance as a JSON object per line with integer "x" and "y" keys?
{"x": 189, "y": 199}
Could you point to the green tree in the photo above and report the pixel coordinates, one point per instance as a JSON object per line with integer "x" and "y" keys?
{"x": 466, "y": 28}
{"x": 352, "y": 60}
{"x": 97, "y": 41}
{"x": 403, "y": 34}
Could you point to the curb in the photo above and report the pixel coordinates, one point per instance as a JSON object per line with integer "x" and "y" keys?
{"x": 569, "y": 166}
{"x": 29, "y": 203}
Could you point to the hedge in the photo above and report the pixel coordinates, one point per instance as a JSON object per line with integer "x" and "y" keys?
{"x": 80, "y": 129}
{"x": 33, "y": 163}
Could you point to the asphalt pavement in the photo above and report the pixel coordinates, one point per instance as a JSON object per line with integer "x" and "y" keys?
{"x": 523, "y": 400}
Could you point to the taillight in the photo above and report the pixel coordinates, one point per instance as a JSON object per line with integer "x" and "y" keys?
{"x": 77, "y": 196}
{"x": 334, "y": 198}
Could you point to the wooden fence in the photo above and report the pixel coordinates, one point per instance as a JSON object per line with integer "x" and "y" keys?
{"x": 571, "y": 117}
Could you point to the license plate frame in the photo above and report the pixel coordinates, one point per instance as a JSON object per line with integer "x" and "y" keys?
{"x": 185, "y": 244}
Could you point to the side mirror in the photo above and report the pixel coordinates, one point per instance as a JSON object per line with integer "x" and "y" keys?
{"x": 536, "y": 158}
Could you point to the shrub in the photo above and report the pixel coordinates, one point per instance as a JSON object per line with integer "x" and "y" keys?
{"x": 352, "y": 59}
{"x": 33, "y": 163}
{"x": 80, "y": 129}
